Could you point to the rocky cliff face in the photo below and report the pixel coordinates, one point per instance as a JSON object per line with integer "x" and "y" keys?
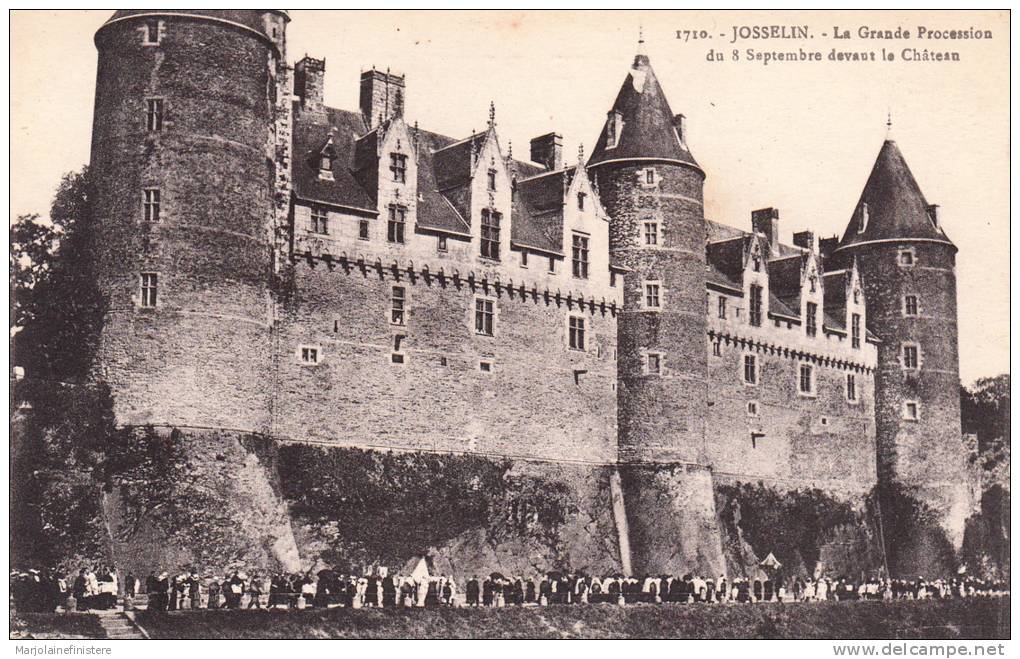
{"x": 242, "y": 500}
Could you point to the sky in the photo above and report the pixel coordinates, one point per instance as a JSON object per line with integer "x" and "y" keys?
{"x": 798, "y": 136}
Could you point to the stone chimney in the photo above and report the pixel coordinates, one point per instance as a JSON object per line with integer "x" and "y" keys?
{"x": 309, "y": 80}
{"x": 547, "y": 150}
{"x": 382, "y": 96}
{"x": 826, "y": 246}
{"x": 805, "y": 239}
{"x": 766, "y": 222}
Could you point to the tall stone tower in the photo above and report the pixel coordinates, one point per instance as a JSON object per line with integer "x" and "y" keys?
{"x": 183, "y": 156}
{"x": 651, "y": 187}
{"x": 907, "y": 265}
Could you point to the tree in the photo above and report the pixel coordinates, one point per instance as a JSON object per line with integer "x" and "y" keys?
{"x": 57, "y": 306}
{"x": 984, "y": 411}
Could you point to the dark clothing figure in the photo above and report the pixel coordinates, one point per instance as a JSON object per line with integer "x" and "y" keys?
{"x": 389, "y": 592}
{"x": 487, "y": 592}
{"x": 472, "y": 592}
{"x": 769, "y": 590}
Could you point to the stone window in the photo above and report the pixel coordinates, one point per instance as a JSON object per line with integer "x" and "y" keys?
{"x": 395, "y": 225}
{"x": 910, "y": 356}
{"x": 153, "y": 115}
{"x": 851, "y": 387}
{"x": 310, "y": 354}
{"x": 855, "y": 331}
{"x": 490, "y": 234}
{"x": 812, "y": 319}
{"x": 552, "y": 265}
{"x": 648, "y": 177}
{"x": 580, "y": 200}
{"x": 576, "y": 330}
{"x": 153, "y": 32}
{"x": 320, "y": 220}
{"x": 652, "y": 295}
{"x": 441, "y": 244}
{"x": 754, "y": 309}
{"x": 717, "y": 348}
{"x": 722, "y": 306}
{"x": 750, "y": 369}
{"x": 579, "y": 255}
{"x": 149, "y": 290}
{"x": 485, "y": 366}
{"x": 653, "y": 363}
{"x": 524, "y": 258}
{"x": 806, "y": 380}
{"x": 363, "y": 229}
{"x": 612, "y": 278}
{"x": 150, "y": 204}
{"x": 907, "y": 258}
{"x": 651, "y": 232}
{"x": 397, "y": 356}
{"x": 911, "y": 410}
{"x": 491, "y": 180}
{"x": 485, "y": 316}
{"x": 398, "y": 300}
{"x": 398, "y": 165}
{"x": 909, "y": 305}
{"x": 752, "y": 408}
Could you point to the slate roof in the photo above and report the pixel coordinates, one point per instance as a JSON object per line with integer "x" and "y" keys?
{"x": 444, "y": 177}
{"x": 648, "y": 122}
{"x": 309, "y": 138}
{"x": 896, "y": 206}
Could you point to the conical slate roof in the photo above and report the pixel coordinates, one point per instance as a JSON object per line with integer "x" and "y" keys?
{"x": 896, "y": 207}
{"x": 648, "y": 123}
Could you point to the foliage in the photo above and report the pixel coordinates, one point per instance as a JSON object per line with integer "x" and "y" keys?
{"x": 984, "y": 411}
{"x": 915, "y": 542}
{"x": 64, "y": 425}
{"x": 57, "y": 304}
{"x": 386, "y": 507}
{"x": 793, "y": 525}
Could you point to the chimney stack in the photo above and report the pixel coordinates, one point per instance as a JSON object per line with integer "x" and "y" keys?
{"x": 826, "y": 246}
{"x": 309, "y": 80}
{"x": 766, "y": 222}
{"x": 805, "y": 239}
{"x": 547, "y": 150}
{"x": 382, "y": 96}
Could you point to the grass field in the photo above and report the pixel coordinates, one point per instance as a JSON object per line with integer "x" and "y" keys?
{"x": 973, "y": 618}
{"x": 56, "y": 625}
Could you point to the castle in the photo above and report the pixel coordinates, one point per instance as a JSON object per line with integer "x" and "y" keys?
{"x": 346, "y": 278}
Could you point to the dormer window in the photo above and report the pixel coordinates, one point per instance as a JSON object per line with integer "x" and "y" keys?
{"x": 811, "y": 323}
{"x": 398, "y": 165}
{"x": 491, "y": 180}
{"x": 614, "y": 126}
{"x": 756, "y": 261}
{"x": 863, "y": 224}
{"x": 580, "y": 201}
{"x": 754, "y": 305}
{"x": 326, "y": 157}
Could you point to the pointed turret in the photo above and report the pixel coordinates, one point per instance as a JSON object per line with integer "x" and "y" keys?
{"x": 641, "y": 124}
{"x": 892, "y": 206}
{"x": 907, "y": 270}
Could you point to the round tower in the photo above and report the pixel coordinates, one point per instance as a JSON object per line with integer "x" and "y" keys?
{"x": 907, "y": 266}
{"x": 183, "y": 168}
{"x": 651, "y": 188}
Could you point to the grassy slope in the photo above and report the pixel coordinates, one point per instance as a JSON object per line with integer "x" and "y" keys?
{"x": 950, "y": 619}
{"x": 56, "y": 625}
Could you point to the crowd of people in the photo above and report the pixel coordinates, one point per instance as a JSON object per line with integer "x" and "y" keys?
{"x": 98, "y": 589}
